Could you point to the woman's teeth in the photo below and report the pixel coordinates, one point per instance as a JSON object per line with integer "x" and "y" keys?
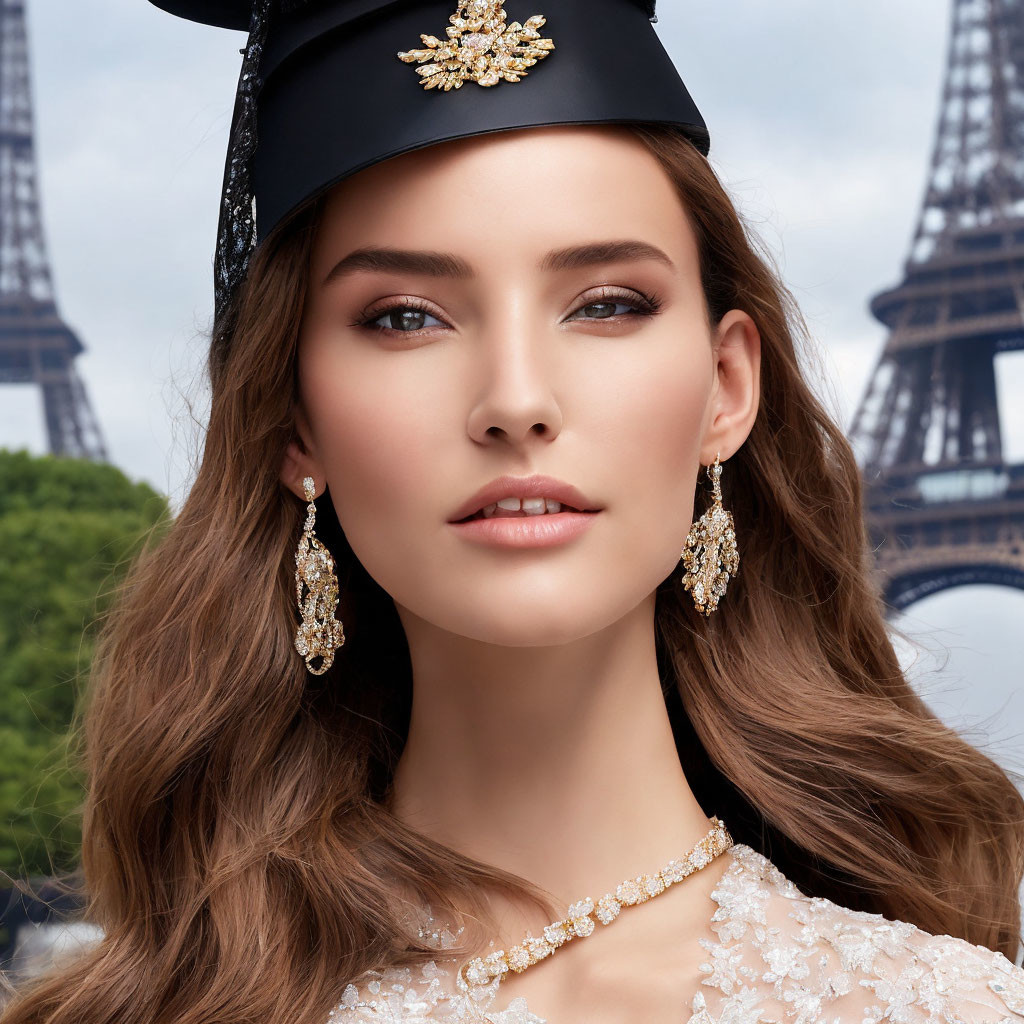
{"x": 509, "y": 507}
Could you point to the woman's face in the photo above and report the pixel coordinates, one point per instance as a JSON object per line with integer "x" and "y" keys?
{"x": 523, "y": 302}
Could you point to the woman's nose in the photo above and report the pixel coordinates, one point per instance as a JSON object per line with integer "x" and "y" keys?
{"x": 515, "y": 383}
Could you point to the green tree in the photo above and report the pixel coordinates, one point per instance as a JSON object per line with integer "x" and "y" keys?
{"x": 69, "y": 530}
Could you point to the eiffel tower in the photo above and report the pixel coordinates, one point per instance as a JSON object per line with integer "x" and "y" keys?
{"x": 36, "y": 346}
{"x": 943, "y": 505}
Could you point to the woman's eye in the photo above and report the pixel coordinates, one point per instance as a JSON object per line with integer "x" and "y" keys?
{"x": 605, "y": 308}
{"x": 404, "y": 319}
{"x": 609, "y": 305}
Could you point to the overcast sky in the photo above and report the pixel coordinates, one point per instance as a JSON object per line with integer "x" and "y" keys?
{"x": 822, "y": 118}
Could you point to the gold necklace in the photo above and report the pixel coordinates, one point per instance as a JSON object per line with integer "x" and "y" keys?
{"x": 581, "y": 916}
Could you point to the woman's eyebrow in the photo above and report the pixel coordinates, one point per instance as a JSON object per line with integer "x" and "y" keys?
{"x": 443, "y": 264}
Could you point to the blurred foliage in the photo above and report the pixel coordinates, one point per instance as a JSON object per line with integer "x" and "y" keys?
{"x": 69, "y": 530}
{"x": 39, "y": 802}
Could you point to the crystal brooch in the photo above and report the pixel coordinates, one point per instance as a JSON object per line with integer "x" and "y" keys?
{"x": 480, "y": 48}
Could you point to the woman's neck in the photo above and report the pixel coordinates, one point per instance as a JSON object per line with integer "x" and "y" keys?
{"x": 556, "y": 763}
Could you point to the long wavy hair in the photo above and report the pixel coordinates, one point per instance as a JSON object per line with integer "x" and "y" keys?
{"x": 238, "y": 852}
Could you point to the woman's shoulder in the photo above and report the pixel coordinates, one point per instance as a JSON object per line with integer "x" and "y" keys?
{"x": 401, "y": 995}
{"x": 784, "y": 955}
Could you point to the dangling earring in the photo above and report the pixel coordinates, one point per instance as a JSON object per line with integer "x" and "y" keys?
{"x": 319, "y": 632}
{"x": 710, "y": 554}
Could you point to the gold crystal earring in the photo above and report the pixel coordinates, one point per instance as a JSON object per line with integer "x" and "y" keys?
{"x": 319, "y": 633}
{"x": 710, "y": 554}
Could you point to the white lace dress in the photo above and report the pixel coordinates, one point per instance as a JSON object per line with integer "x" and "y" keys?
{"x": 781, "y": 956}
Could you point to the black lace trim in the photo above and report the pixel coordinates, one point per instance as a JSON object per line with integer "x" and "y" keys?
{"x": 236, "y": 229}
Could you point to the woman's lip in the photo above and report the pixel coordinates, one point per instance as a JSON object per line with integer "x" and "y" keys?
{"x": 536, "y": 486}
{"x": 539, "y": 531}
{"x": 502, "y": 514}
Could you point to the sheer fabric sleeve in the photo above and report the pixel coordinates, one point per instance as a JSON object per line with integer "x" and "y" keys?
{"x": 786, "y": 956}
{"x": 399, "y": 995}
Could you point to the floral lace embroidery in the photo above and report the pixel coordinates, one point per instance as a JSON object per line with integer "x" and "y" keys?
{"x": 781, "y": 956}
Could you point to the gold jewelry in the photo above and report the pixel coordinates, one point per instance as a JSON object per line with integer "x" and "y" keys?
{"x": 579, "y": 921}
{"x": 710, "y": 554}
{"x": 319, "y": 633}
{"x": 465, "y": 58}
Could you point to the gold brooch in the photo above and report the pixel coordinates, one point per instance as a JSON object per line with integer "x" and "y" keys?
{"x": 480, "y": 48}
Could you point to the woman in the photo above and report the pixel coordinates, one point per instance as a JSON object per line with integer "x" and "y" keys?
{"x": 606, "y": 623}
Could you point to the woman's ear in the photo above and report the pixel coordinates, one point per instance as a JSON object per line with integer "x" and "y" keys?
{"x": 300, "y": 459}
{"x": 736, "y": 395}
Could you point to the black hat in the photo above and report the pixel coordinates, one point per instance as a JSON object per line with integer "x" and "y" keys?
{"x": 329, "y": 87}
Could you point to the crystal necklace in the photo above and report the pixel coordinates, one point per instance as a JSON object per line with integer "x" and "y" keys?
{"x": 580, "y": 918}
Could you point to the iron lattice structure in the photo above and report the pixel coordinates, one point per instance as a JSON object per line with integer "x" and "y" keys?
{"x": 942, "y": 504}
{"x": 36, "y": 346}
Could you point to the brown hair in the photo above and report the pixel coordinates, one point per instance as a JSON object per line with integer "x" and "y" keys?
{"x": 237, "y": 848}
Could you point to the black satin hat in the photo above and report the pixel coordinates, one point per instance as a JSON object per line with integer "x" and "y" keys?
{"x": 323, "y": 92}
